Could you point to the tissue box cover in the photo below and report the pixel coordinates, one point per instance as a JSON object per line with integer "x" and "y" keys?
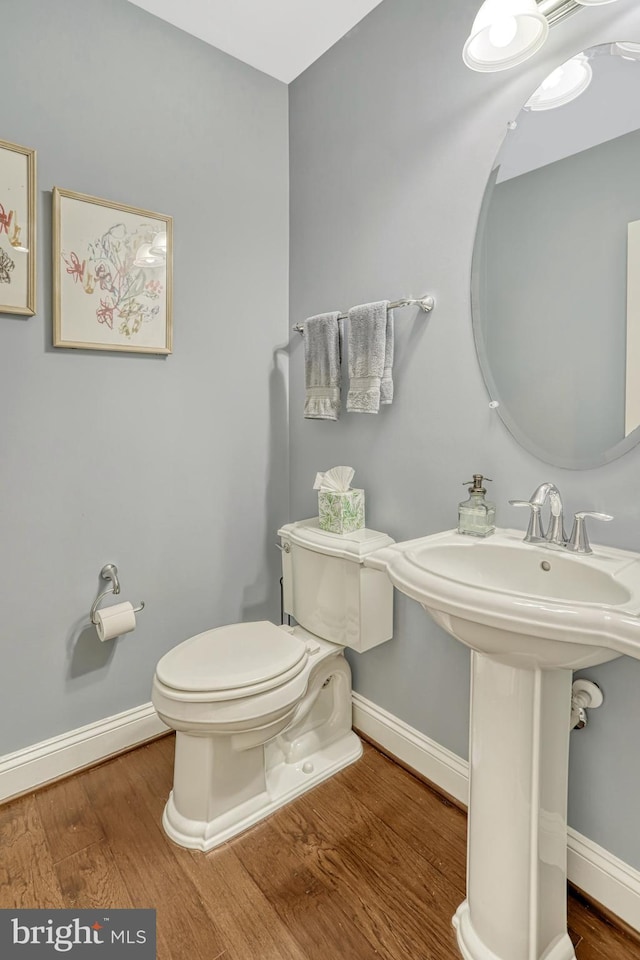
{"x": 341, "y": 512}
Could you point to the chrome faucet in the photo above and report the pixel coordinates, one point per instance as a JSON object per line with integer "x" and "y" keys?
{"x": 555, "y": 533}
{"x": 578, "y": 542}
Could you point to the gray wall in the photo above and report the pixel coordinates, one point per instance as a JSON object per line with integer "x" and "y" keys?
{"x": 175, "y": 469}
{"x": 554, "y": 271}
{"x": 392, "y": 142}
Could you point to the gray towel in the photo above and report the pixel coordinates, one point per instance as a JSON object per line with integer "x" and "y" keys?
{"x": 370, "y": 357}
{"x": 321, "y": 337}
{"x": 386, "y": 384}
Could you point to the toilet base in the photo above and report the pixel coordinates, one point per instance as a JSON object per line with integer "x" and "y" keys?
{"x": 284, "y": 782}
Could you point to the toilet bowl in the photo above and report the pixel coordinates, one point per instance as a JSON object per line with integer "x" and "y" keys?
{"x": 262, "y": 712}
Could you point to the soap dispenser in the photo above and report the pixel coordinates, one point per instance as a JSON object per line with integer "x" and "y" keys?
{"x": 476, "y": 516}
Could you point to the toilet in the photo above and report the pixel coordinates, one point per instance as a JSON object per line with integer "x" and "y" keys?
{"x": 262, "y": 712}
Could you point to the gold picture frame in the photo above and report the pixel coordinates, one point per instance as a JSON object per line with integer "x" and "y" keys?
{"x": 17, "y": 229}
{"x": 112, "y": 275}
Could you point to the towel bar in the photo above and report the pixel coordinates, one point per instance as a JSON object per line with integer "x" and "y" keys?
{"x": 425, "y": 303}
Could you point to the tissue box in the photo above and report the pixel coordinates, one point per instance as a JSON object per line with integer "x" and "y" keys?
{"x": 341, "y": 512}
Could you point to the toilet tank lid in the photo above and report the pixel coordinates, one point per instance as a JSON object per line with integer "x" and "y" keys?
{"x": 231, "y": 657}
{"x": 350, "y": 546}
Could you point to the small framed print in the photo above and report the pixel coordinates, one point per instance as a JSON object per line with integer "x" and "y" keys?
{"x": 112, "y": 275}
{"x": 17, "y": 229}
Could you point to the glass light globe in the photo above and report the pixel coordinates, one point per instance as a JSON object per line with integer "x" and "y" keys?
{"x": 504, "y": 34}
{"x": 563, "y": 85}
{"x": 503, "y": 31}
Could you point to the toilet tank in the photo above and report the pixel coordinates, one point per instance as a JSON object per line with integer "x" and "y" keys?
{"x": 329, "y": 591}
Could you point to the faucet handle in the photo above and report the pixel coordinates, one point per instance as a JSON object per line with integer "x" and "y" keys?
{"x": 579, "y": 541}
{"x": 534, "y": 530}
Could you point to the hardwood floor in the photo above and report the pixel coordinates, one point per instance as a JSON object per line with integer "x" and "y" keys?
{"x": 367, "y": 866}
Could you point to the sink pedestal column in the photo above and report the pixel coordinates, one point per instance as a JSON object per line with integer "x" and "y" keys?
{"x": 516, "y": 906}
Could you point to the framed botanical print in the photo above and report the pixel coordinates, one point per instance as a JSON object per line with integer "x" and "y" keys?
{"x": 17, "y": 229}
{"x": 112, "y": 275}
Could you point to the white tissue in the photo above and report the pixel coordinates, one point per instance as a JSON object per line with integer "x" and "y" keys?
{"x": 336, "y": 480}
{"x": 114, "y": 621}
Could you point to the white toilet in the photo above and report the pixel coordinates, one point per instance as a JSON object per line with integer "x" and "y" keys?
{"x": 263, "y": 712}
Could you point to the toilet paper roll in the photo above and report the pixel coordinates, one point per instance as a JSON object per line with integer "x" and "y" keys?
{"x": 114, "y": 621}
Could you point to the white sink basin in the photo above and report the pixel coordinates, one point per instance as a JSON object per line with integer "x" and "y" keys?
{"x": 523, "y": 603}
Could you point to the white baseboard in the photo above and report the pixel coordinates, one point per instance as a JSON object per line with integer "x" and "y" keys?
{"x": 607, "y": 879}
{"x": 41, "y": 763}
{"x": 445, "y": 769}
{"x": 594, "y": 870}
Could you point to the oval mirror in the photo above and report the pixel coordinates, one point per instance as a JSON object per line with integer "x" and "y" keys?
{"x": 556, "y": 266}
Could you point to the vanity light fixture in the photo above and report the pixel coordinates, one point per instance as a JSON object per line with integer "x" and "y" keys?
{"x": 508, "y": 32}
{"x": 563, "y": 85}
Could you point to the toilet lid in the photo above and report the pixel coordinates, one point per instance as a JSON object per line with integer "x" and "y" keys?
{"x": 240, "y": 655}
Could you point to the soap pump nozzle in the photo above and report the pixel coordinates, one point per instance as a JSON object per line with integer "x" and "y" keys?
{"x": 477, "y": 483}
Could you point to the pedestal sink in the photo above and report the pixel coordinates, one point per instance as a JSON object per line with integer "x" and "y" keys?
{"x": 531, "y": 614}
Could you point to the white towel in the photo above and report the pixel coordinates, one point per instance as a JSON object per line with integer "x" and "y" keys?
{"x": 321, "y": 337}
{"x": 370, "y": 357}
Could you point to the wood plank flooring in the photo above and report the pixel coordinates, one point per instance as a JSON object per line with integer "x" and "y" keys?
{"x": 367, "y": 866}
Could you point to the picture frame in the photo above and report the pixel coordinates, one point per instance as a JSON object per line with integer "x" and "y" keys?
{"x": 112, "y": 275}
{"x": 17, "y": 229}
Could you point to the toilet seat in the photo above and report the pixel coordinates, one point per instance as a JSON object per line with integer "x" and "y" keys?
{"x": 234, "y": 661}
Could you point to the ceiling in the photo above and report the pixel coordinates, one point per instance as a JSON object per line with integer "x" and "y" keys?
{"x": 279, "y": 37}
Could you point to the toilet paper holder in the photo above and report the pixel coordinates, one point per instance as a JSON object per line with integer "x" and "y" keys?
{"x": 109, "y": 572}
